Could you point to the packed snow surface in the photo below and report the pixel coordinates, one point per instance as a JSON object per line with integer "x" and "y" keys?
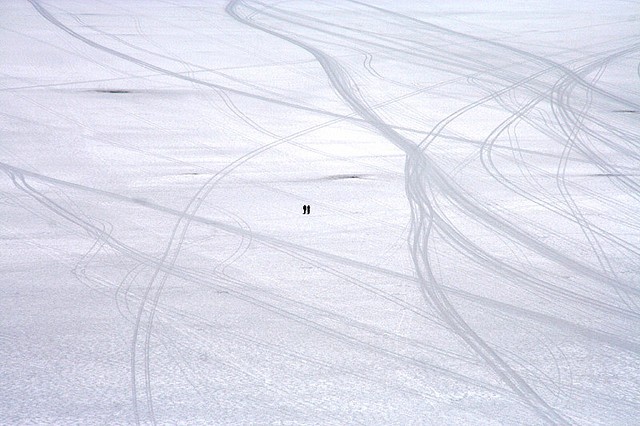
{"x": 472, "y": 250}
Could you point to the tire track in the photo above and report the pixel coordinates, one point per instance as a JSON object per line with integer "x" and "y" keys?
{"x": 422, "y": 222}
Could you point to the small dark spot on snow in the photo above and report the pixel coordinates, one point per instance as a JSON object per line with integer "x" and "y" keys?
{"x": 346, "y": 176}
{"x": 628, "y": 111}
{"x": 116, "y": 91}
{"x": 140, "y": 201}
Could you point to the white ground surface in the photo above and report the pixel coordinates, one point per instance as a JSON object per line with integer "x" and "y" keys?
{"x": 473, "y": 250}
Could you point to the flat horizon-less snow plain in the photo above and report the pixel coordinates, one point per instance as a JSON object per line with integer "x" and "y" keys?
{"x": 472, "y": 255}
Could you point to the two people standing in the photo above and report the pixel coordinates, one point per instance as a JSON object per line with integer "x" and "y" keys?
{"x": 306, "y": 209}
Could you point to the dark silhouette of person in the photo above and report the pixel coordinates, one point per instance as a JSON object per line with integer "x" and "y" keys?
{"x": 304, "y": 209}
{"x": 308, "y": 209}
